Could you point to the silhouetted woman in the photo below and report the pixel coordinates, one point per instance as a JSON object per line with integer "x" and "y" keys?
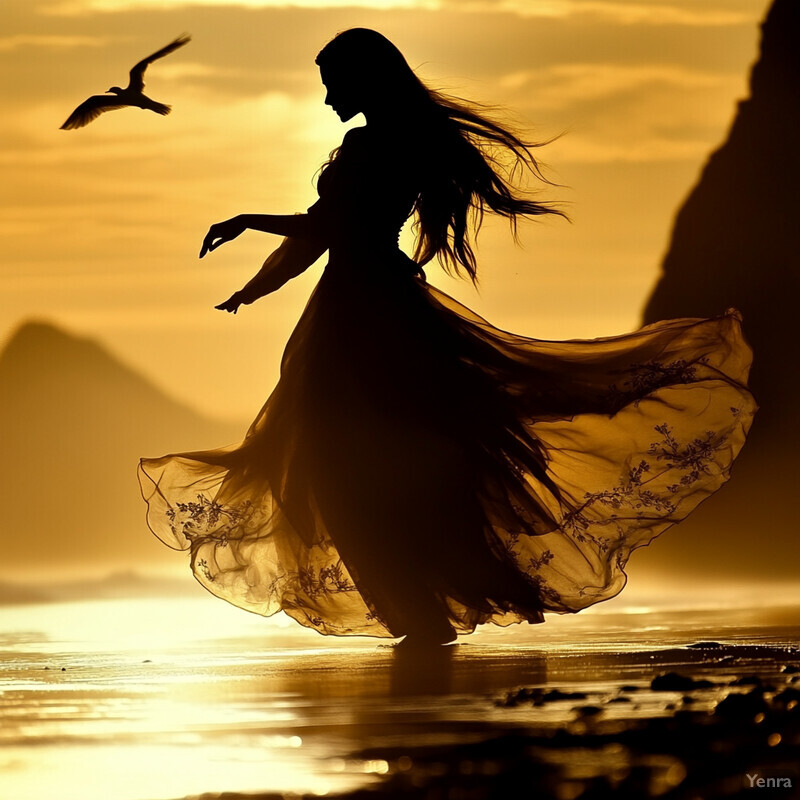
{"x": 417, "y": 471}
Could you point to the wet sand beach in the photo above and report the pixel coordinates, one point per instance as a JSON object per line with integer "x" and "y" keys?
{"x": 161, "y": 699}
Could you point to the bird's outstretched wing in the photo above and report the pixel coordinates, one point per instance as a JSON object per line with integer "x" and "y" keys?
{"x": 137, "y": 73}
{"x": 91, "y": 109}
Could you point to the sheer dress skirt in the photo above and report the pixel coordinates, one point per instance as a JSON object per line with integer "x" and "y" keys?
{"x": 418, "y": 470}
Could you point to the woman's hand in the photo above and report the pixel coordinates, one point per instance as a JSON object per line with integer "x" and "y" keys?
{"x": 233, "y": 302}
{"x": 220, "y": 233}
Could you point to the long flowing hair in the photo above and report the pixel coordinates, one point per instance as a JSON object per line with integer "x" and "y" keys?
{"x": 471, "y": 163}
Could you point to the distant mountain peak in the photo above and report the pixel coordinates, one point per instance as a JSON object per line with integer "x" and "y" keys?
{"x": 37, "y": 338}
{"x": 74, "y": 421}
{"x": 32, "y": 331}
{"x": 43, "y": 362}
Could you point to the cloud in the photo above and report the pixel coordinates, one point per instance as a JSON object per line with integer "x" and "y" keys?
{"x": 77, "y": 7}
{"x": 49, "y": 41}
{"x": 247, "y": 51}
{"x": 623, "y": 12}
{"x": 565, "y": 84}
{"x": 613, "y": 112}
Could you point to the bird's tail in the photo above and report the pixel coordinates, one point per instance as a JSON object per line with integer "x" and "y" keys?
{"x": 159, "y": 108}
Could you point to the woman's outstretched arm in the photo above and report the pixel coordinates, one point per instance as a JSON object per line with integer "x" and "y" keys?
{"x": 289, "y": 260}
{"x": 297, "y": 226}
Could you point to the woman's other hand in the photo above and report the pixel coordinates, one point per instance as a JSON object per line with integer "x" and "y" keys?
{"x": 220, "y": 233}
{"x": 233, "y": 302}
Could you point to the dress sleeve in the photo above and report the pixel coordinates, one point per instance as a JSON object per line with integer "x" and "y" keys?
{"x": 292, "y": 257}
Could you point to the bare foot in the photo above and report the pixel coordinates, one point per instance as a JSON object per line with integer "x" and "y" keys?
{"x": 424, "y": 641}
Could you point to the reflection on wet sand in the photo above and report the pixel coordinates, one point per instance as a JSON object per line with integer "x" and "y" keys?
{"x": 566, "y": 710}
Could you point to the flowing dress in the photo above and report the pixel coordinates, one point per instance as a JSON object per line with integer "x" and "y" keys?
{"x": 417, "y": 470}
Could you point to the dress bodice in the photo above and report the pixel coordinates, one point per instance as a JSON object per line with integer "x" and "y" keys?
{"x": 365, "y": 195}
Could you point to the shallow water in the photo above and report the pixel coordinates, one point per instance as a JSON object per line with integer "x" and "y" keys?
{"x": 153, "y": 699}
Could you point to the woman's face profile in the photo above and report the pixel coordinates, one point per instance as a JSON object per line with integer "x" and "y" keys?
{"x": 341, "y": 95}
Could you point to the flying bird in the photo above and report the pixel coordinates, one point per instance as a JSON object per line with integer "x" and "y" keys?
{"x": 131, "y": 95}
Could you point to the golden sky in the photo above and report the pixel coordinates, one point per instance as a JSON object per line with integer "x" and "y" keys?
{"x": 100, "y": 227}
